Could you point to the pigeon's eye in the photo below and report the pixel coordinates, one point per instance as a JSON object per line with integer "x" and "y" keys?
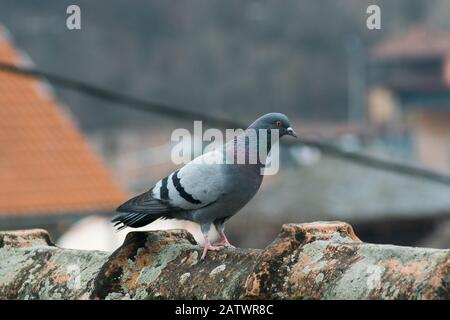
{"x": 278, "y": 123}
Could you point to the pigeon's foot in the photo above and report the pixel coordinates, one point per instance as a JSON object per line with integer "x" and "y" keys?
{"x": 224, "y": 242}
{"x": 210, "y": 247}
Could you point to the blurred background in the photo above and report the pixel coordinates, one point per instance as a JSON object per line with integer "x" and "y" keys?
{"x": 67, "y": 159}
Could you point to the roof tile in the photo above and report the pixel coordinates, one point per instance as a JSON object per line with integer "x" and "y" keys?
{"x": 46, "y": 166}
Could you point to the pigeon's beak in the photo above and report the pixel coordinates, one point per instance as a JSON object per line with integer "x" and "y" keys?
{"x": 291, "y": 132}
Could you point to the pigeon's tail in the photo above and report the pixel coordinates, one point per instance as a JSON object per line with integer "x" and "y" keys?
{"x": 133, "y": 220}
{"x": 142, "y": 210}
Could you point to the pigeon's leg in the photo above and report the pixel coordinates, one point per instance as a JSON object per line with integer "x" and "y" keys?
{"x": 223, "y": 241}
{"x": 208, "y": 246}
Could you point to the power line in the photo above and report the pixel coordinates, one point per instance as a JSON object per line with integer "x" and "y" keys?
{"x": 174, "y": 112}
{"x": 119, "y": 98}
{"x": 381, "y": 164}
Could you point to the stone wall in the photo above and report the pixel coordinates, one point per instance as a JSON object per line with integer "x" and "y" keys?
{"x": 321, "y": 260}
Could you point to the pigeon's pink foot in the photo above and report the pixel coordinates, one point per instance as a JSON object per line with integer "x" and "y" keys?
{"x": 209, "y": 246}
{"x": 224, "y": 242}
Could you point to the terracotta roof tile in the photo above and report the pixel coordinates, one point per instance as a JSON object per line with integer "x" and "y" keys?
{"x": 46, "y": 166}
{"x": 415, "y": 42}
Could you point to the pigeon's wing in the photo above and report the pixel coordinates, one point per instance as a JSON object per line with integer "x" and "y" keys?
{"x": 198, "y": 184}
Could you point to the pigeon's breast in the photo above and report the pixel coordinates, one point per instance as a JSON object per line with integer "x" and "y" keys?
{"x": 243, "y": 182}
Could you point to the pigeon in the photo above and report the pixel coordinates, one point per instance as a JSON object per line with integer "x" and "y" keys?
{"x": 212, "y": 187}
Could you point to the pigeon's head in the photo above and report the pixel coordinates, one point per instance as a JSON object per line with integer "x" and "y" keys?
{"x": 277, "y": 121}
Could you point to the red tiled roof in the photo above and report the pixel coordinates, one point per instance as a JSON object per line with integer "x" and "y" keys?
{"x": 415, "y": 42}
{"x": 46, "y": 166}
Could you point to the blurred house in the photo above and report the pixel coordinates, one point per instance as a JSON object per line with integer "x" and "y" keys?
{"x": 49, "y": 176}
{"x": 411, "y": 72}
